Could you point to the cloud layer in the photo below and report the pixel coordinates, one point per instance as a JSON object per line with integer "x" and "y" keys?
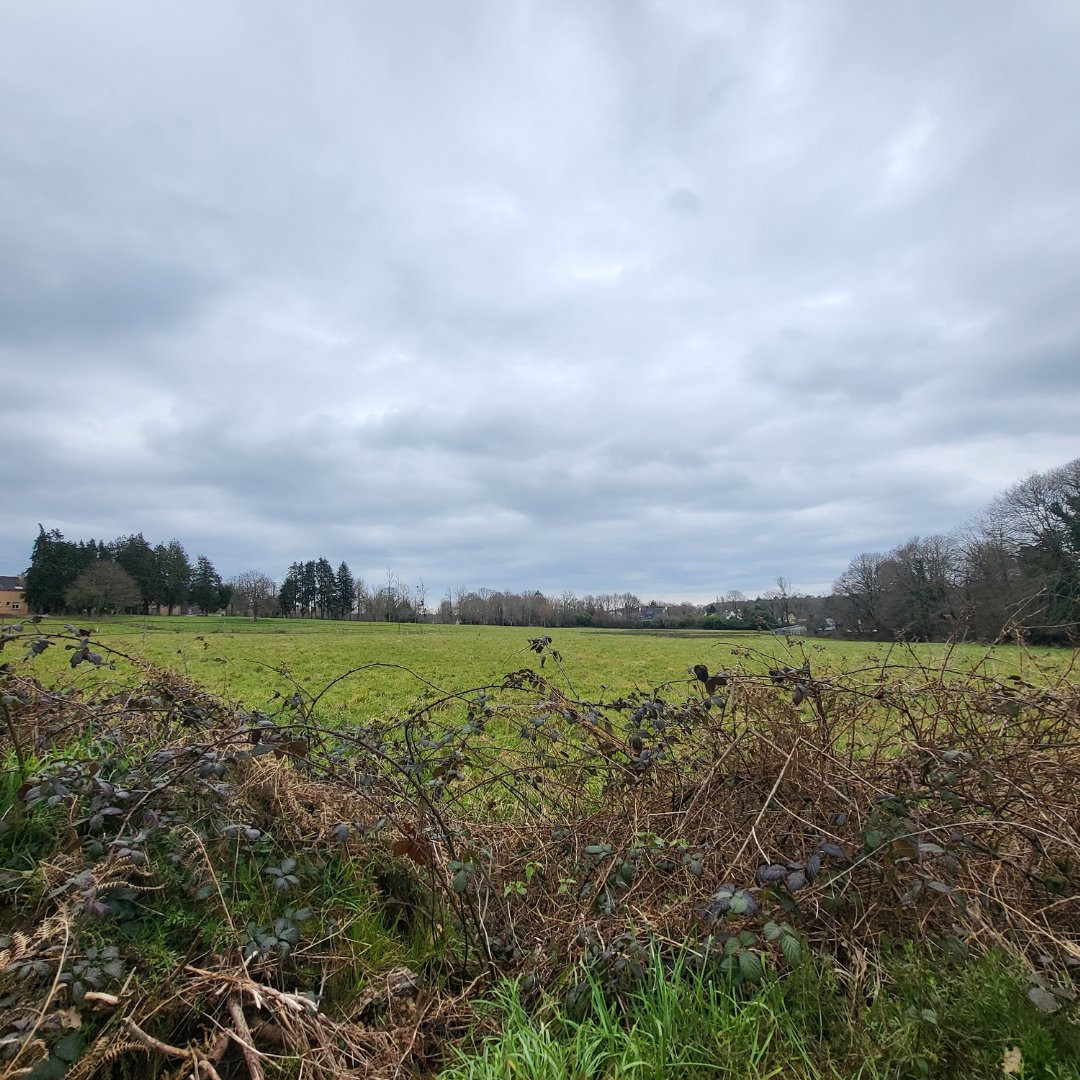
{"x": 664, "y": 297}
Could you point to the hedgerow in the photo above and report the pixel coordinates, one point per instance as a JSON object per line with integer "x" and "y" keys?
{"x": 213, "y": 890}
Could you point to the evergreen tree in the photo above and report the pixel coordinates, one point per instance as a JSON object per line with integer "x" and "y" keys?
{"x": 55, "y": 563}
{"x": 325, "y": 588}
{"x": 307, "y": 588}
{"x": 135, "y": 555}
{"x": 289, "y": 593}
{"x": 172, "y": 573}
{"x": 345, "y": 591}
{"x": 206, "y": 586}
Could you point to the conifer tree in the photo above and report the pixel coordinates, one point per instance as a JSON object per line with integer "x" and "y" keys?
{"x": 345, "y": 591}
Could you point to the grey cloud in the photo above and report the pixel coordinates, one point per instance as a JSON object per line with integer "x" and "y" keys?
{"x": 672, "y": 296}
{"x": 91, "y": 299}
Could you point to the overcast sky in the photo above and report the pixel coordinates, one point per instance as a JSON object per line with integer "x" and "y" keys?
{"x": 667, "y": 297}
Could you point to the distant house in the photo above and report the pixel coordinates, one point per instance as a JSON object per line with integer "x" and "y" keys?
{"x": 653, "y": 611}
{"x": 790, "y": 631}
{"x": 12, "y": 601}
{"x": 164, "y": 609}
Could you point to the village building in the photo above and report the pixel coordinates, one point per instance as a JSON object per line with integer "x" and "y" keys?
{"x": 12, "y": 600}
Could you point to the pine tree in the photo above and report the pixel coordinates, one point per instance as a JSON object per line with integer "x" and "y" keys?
{"x": 55, "y": 563}
{"x": 307, "y": 588}
{"x": 325, "y": 588}
{"x": 206, "y": 586}
{"x": 289, "y": 593}
{"x": 345, "y": 591}
{"x": 173, "y": 573}
{"x": 135, "y": 555}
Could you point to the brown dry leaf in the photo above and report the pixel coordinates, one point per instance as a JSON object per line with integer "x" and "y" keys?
{"x": 293, "y": 748}
{"x": 1013, "y": 1062}
{"x": 67, "y": 1018}
{"x": 413, "y": 850}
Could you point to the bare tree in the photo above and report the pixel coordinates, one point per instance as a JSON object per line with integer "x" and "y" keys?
{"x": 253, "y": 591}
{"x": 733, "y": 600}
{"x": 861, "y": 589}
{"x": 103, "y": 587}
{"x": 921, "y": 578}
{"x": 1037, "y": 521}
{"x": 779, "y": 600}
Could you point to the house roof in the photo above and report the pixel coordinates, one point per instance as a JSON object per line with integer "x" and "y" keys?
{"x": 10, "y": 584}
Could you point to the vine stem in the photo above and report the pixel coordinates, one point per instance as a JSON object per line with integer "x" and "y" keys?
{"x": 20, "y": 757}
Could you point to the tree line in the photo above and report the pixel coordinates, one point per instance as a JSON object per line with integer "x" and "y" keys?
{"x": 315, "y": 590}
{"x": 130, "y": 575}
{"x": 1014, "y": 570}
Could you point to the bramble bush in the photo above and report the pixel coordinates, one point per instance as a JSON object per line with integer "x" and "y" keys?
{"x": 729, "y": 823}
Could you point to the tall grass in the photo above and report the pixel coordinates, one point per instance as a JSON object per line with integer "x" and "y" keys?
{"x": 930, "y": 1020}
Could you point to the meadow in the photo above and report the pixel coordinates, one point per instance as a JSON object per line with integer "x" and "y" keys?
{"x": 251, "y": 661}
{"x": 497, "y": 851}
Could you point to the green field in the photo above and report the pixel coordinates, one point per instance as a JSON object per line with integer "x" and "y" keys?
{"x": 246, "y": 661}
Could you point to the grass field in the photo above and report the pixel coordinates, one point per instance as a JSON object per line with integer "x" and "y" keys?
{"x": 244, "y": 660}
{"x": 543, "y": 870}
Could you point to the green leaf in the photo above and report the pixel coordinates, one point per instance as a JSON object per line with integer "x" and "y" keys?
{"x": 751, "y": 966}
{"x": 792, "y": 950}
{"x": 461, "y": 880}
{"x": 70, "y": 1048}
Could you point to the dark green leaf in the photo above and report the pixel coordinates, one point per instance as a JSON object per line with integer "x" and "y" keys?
{"x": 751, "y": 966}
{"x": 790, "y": 947}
